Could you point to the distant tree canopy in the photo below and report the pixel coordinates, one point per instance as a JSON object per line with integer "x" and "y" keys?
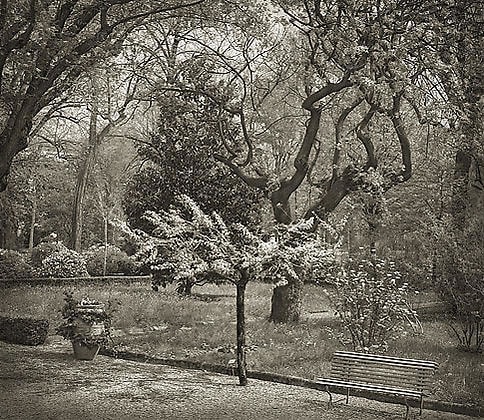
{"x": 178, "y": 159}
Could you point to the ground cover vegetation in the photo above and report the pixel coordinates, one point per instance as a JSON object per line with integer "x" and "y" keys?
{"x": 202, "y": 328}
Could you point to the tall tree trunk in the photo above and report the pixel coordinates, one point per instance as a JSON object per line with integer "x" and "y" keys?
{"x": 105, "y": 244}
{"x": 8, "y": 225}
{"x": 13, "y": 139}
{"x": 460, "y": 187}
{"x": 33, "y": 219}
{"x": 8, "y": 237}
{"x": 85, "y": 170}
{"x": 241, "y": 356}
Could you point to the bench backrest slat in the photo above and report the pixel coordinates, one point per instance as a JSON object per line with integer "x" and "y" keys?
{"x": 383, "y": 370}
{"x": 385, "y": 359}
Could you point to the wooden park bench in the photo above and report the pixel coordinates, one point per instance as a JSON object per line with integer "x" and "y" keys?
{"x": 406, "y": 378}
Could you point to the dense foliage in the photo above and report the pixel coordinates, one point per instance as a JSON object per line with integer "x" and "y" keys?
{"x": 116, "y": 260}
{"x": 14, "y": 264}
{"x": 27, "y": 331}
{"x": 179, "y": 160}
{"x": 461, "y": 283}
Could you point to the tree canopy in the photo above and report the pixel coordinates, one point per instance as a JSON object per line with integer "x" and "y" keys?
{"x": 45, "y": 46}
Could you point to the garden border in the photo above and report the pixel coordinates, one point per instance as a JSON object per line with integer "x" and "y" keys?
{"x": 68, "y": 281}
{"x": 433, "y": 405}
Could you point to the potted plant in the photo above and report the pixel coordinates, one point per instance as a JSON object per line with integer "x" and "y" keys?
{"x": 87, "y": 323}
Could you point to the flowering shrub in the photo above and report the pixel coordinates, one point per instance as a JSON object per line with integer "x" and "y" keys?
{"x": 45, "y": 249}
{"x": 64, "y": 263}
{"x": 370, "y": 300}
{"x": 14, "y": 265}
{"x": 117, "y": 261}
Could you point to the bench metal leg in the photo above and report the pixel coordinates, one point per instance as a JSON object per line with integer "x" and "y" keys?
{"x": 408, "y": 409}
{"x": 347, "y": 395}
{"x": 330, "y": 402}
{"x": 421, "y": 404}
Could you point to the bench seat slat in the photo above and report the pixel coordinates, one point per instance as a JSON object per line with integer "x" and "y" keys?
{"x": 363, "y": 386}
{"x": 379, "y": 375}
{"x": 380, "y": 370}
{"x": 402, "y": 384}
{"x": 385, "y": 384}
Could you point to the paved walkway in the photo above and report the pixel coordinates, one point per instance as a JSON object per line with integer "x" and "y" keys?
{"x": 46, "y": 382}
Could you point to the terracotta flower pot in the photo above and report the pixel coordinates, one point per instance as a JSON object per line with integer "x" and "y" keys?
{"x": 83, "y": 352}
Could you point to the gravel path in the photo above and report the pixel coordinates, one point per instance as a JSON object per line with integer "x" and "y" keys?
{"x": 46, "y": 382}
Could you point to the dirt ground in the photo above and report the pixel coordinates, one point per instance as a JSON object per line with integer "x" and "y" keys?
{"x": 46, "y": 382}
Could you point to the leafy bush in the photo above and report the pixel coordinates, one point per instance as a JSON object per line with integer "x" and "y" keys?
{"x": 370, "y": 300}
{"x": 14, "y": 265}
{"x": 64, "y": 263}
{"x": 117, "y": 261}
{"x": 31, "y": 332}
{"x": 44, "y": 250}
{"x": 461, "y": 284}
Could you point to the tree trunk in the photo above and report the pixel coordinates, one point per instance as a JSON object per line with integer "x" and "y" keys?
{"x": 13, "y": 139}
{"x": 460, "y": 194}
{"x": 336, "y": 192}
{"x": 8, "y": 225}
{"x": 184, "y": 287}
{"x": 241, "y": 357}
{"x": 105, "y": 244}
{"x": 33, "y": 220}
{"x": 8, "y": 237}
{"x": 81, "y": 186}
{"x": 287, "y": 302}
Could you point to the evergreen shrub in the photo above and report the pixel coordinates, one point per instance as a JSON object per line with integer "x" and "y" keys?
{"x": 28, "y": 331}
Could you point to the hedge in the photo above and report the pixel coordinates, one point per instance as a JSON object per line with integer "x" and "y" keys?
{"x": 28, "y": 331}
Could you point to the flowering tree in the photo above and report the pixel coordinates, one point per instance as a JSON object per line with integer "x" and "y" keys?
{"x": 186, "y": 243}
{"x": 204, "y": 247}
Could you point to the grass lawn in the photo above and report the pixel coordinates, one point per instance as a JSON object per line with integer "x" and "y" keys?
{"x": 202, "y": 328}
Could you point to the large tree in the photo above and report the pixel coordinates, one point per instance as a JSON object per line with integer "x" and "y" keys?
{"x": 44, "y": 47}
{"x": 361, "y": 64}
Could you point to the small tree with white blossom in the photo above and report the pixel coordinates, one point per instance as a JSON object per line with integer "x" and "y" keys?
{"x": 370, "y": 299}
{"x": 202, "y": 246}
{"x": 190, "y": 244}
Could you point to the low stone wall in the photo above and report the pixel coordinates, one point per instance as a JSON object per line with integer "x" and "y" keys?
{"x": 44, "y": 281}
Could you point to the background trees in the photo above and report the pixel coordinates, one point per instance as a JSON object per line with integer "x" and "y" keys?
{"x": 45, "y": 46}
